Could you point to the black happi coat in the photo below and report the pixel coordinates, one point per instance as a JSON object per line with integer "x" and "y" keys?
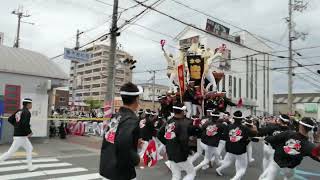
{"x": 290, "y": 148}
{"x": 188, "y": 95}
{"x": 237, "y": 138}
{"x": 174, "y": 135}
{"x": 146, "y": 128}
{"x": 212, "y": 132}
{"x": 119, "y": 156}
{"x": 21, "y": 122}
{"x": 272, "y": 130}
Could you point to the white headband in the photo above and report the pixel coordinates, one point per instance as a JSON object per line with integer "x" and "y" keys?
{"x": 307, "y": 125}
{"x": 214, "y": 115}
{"x": 27, "y": 100}
{"x": 283, "y": 119}
{"x": 183, "y": 108}
{"x": 132, "y": 93}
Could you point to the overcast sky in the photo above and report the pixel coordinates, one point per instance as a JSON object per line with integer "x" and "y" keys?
{"x": 56, "y": 22}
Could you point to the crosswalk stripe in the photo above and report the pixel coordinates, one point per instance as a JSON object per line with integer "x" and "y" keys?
{"x": 85, "y": 176}
{"x": 41, "y": 173}
{"x": 15, "y": 168}
{"x": 34, "y": 161}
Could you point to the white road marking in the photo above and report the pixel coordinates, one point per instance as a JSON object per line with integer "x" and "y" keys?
{"x": 15, "y": 168}
{"x": 43, "y": 160}
{"x": 85, "y": 176}
{"x": 41, "y": 173}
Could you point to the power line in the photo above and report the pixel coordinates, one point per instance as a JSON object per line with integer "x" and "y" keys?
{"x": 106, "y": 34}
{"x": 190, "y": 25}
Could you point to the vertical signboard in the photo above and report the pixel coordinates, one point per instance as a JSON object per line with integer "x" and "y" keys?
{"x": 12, "y": 98}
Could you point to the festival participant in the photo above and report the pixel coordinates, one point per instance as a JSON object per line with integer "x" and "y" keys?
{"x": 196, "y": 137}
{"x": 141, "y": 114}
{"x": 197, "y": 101}
{"x": 212, "y": 132}
{"x": 188, "y": 97}
{"x": 147, "y": 127}
{"x": 290, "y": 149}
{"x": 174, "y": 135}
{"x": 272, "y": 130}
{"x": 22, "y": 132}
{"x": 237, "y": 136}
{"x": 249, "y": 123}
{"x": 119, "y": 148}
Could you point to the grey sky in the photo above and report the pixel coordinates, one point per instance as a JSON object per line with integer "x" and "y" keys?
{"x": 57, "y": 21}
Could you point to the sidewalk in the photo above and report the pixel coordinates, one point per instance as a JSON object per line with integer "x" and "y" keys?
{"x": 55, "y": 147}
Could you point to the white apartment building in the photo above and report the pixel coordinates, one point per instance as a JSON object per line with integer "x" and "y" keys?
{"x": 91, "y": 77}
{"x": 249, "y": 77}
{"x": 148, "y": 91}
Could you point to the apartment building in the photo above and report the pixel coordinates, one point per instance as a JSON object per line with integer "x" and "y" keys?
{"x": 91, "y": 77}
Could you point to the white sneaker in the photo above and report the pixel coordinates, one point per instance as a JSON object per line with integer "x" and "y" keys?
{"x": 205, "y": 167}
{"x": 219, "y": 173}
{"x": 251, "y": 160}
{"x": 32, "y": 168}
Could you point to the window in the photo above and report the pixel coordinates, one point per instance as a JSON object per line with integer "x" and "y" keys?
{"x": 96, "y": 78}
{"x": 96, "y": 85}
{"x": 224, "y": 83}
{"x": 120, "y": 71}
{"x": 88, "y": 71}
{"x": 95, "y": 94}
{"x": 251, "y": 79}
{"x": 240, "y": 88}
{"x": 234, "y": 87}
{"x": 230, "y": 86}
{"x": 87, "y": 79}
{"x": 86, "y": 94}
{"x": 62, "y": 99}
{"x": 97, "y": 54}
{"x": 81, "y": 66}
{"x": 88, "y": 64}
{"x": 97, "y": 62}
{"x": 80, "y": 73}
{"x": 256, "y": 79}
{"x": 97, "y": 70}
{"x": 87, "y": 87}
{"x": 247, "y": 76}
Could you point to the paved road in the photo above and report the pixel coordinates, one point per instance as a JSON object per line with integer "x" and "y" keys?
{"x": 83, "y": 166}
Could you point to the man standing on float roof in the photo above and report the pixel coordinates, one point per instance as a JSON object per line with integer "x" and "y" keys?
{"x": 119, "y": 154}
{"x": 22, "y": 131}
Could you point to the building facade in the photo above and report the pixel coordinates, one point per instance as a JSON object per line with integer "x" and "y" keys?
{"x": 247, "y": 73}
{"x": 27, "y": 74}
{"x": 148, "y": 94}
{"x": 91, "y": 77}
{"x": 307, "y": 104}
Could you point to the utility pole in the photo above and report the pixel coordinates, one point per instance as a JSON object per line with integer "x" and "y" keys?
{"x": 153, "y": 88}
{"x": 290, "y": 82}
{"x": 112, "y": 58}
{"x": 75, "y": 64}
{"x": 299, "y": 6}
{"x": 19, "y": 13}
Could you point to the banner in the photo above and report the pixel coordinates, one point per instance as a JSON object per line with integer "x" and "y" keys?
{"x": 150, "y": 155}
{"x": 196, "y": 68}
{"x": 217, "y": 28}
{"x": 181, "y": 79}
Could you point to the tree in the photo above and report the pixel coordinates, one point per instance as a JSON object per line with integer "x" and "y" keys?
{"x": 93, "y": 104}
